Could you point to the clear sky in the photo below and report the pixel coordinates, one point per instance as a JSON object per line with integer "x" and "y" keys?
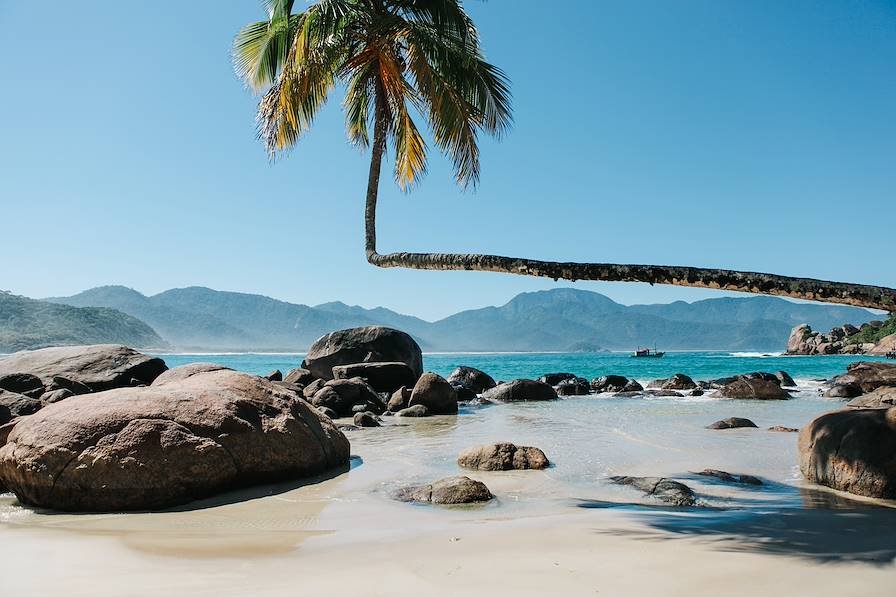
{"x": 755, "y": 135}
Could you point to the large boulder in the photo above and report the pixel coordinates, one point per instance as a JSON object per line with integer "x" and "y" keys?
{"x": 885, "y": 345}
{"x": 453, "y": 490}
{"x": 521, "y": 390}
{"x": 797, "y": 343}
{"x": 868, "y": 375}
{"x": 573, "y": 387}
{"x": 153, "y": 447}
{"x": 502, "y": 456}
{"x": 843, "y": 390}
{"x": 753, "y": 389}
{"x": 852, "y": 450}
{"x": 474, "y": 379}
{"x": 373, "y": 344}
{"x": 382, "y": 377}
{"x": 99, "y": 367}
{"x": 882, "y": 397}
{"x": 679, "y": 381}
{"x": 435, "y": 393}
{"x": 299, "y": 376}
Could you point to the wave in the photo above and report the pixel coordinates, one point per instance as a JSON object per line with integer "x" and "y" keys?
{"x": 755, "y": 355}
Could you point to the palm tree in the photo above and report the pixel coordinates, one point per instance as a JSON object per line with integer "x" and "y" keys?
{"x": 401, "y": 57}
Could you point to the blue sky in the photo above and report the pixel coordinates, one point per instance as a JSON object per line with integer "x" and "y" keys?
{"x": 754, "y": 135}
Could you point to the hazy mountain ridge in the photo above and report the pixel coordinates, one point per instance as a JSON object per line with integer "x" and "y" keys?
{"x": 28, "y": 324}
{"x": 560, "y": 319}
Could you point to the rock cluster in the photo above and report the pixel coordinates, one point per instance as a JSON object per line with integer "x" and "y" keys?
{"x": 502, "y": 456}
{"x": 804, "y": 341}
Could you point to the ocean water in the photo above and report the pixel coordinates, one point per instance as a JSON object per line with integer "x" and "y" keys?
{"x": 507, "y": 366}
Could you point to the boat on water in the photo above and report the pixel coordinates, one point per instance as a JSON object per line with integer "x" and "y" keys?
{"x": 646, "y": 353}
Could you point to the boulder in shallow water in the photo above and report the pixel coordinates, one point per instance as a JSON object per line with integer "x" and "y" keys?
{"x": 343, "y": 394}
{"x": 852, "y": 450}
{"x": 679, "y": 381}
{"x": 552, "y": 379}
{"x": 744, "y": 388}
{"x": 453, "y": 490}
{"x": 783, "y": 429}
{"x": 610, "y": 383}
{"x": 464, "y": 394}
{"x": 472, "y": 378}
{"x": 382, "y": 377}
{"x": 573, "y": 387}
{"x": 99, "y": 367}
{"x": 665, "y": 490}
{"x": 372, "y": 344}
{"x": 502, "y": 456}
{"x": 167, "y": 444}
{"x": 784, "y": 379}
{"x": 435, "y": 393}
{"x": 521, "y": 390}
{"x": 732, "y": 423}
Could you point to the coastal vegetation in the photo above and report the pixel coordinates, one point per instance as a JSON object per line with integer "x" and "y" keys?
{"x": 27, "y": 323}
{"x": 395, "y": 57}
{"x": 873, "y": 334}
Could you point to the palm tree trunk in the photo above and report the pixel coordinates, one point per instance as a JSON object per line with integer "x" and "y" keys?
{"x": 874, "y": 297}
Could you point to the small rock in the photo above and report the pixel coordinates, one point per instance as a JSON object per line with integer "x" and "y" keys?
{"x": 753, "y": 389}
{"x": 56, "y": 395}
{"x": 679, "y": 381}
{"x": 453, "y": 490}
{"x": 328, "y": 412}
{"x": 732, "y": 423}
{"x": 22, "y": 383}
{"x": 502, "y": 456}
{"x": 399, "y": 400}
{"x": 666, "y": 490}
{"x": 299, "y": 376}
{"x": 418, "y": 410}
{"x": 366, "y": 419}
{"x": 785, "y": 380}
{"x": 275, "y": 375}
{"x": 783, "y": 429}
{"x": 464, "y": 394}
{"x": 729, "y": 478}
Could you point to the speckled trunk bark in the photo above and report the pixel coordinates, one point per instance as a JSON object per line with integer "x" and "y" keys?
{"x": 875, "y": 297}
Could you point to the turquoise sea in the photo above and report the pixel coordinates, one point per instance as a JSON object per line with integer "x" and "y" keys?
{"x": 506, "y": 366}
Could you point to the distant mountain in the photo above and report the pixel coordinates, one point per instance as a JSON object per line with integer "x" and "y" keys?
{"x": 27, "y": 323}
{"x": 563, "y": 319}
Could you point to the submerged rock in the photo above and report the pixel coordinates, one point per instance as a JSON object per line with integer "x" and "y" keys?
{"x": 852, "y": 450}
{"x": 502, "y": 456}
{"x": 661, "y": 488}
{"x": 732, "y": 423}
{"x": 170, "y": 443}
{"x": 679, "y": 381}
{"x": 782, "y": 429}
{"x": 474, "y": 379}
{"x": 521, "y": 390}
{"x": 729, "y": 478}
{"x": 372, "y": 344}
{"x": 452, "y": 490}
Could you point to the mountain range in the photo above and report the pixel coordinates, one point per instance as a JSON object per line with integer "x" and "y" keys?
{"x": 562, "y": 319}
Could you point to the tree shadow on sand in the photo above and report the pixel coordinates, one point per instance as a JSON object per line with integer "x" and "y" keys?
{"x": 824, "y": 527}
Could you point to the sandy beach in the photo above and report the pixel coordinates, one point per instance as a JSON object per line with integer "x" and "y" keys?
{"x": 564, "y": 530}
